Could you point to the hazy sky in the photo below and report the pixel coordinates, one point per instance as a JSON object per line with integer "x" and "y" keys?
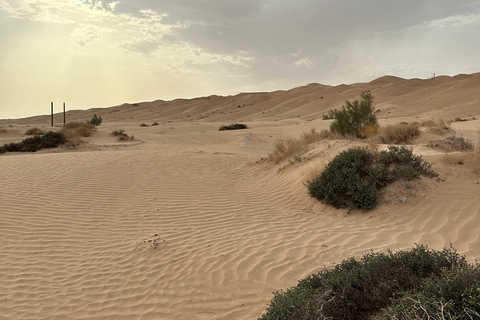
{"x": 91, "y": 53}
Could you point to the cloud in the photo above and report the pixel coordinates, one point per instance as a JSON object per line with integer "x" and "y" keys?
{"x": 454, "y": 21}
{"x": 304, "y": 63}
{"x": 86, "y": 34}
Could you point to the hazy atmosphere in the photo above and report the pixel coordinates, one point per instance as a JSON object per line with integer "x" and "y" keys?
{"x": 101, "y": 53}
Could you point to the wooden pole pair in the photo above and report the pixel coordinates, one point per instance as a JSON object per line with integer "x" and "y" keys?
{"x": 63, "y": 113}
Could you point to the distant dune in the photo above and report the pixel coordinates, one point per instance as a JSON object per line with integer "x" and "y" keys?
{"x": 188, "y": 222}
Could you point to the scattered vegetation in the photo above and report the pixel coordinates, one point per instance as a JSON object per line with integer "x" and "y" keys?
{"x": 74, "y": 130}
{"x": 235, "y": 126}
{"x": 354, "y": 177}
{"x": 34, "y": 132}
{"x": 144, "y": 125}
{"x": 96, "y": 120}
{"x": 453, "y": 143}
{"x": 32, "y": 144}
{"x": 155, "y": 124}
{"x": 354, "y": 117}
{"x": 416, "y": 284}
{"x": 122, "y": 136}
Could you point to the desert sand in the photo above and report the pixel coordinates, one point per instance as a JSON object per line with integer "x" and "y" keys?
{"x": 188, "y": 222}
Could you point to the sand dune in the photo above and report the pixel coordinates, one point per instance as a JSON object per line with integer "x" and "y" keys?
{"x": 187, "y": 222}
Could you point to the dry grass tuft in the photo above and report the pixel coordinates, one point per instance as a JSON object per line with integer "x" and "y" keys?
{"x": 399, "y": 133}
{"x": 74, "y": 130}
{"x": 368, "y": 131}
{"x": 155, "y": 124}
{"x": 144, "y": 125}
{"x": 286, "y": 148}
{"x": 476, "y": 156}
{"x": 296, "y": 147}
{"x": 35, "y": 132}
{"x": 2, "y": 130}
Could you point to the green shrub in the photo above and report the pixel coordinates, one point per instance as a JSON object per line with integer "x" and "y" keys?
{"x": 353, "y": 178}
{"x": 455, "y": 294}
{"x": 32, "y": 144}
{"x": 235, "y": 126}
{"x": 329, "y": 115}
{"x": 354, "y": 116}
{"x": 358, "y": 289}
{"x": 96, "y": 120}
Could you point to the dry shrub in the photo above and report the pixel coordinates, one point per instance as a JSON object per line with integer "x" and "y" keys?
{"x": 144, "y": 125}
{"x": 453, "y": 143}
{"x": 73, "y": 130}
{"x": 368, "y": 131}
{"x": 34, "y": 132}
{"x": 2, "y": 130}
{"x": 439, "y": 127}
{"x": 122, "y": 136}
{"x": 154, "y": 124}
{"x": 476, "y": 156}
{"x": 295, "y": 147}
{"x": 399, "y": 133}
{"x": 287, "y": 148}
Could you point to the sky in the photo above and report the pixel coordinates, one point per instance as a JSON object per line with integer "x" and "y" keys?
{"x": 90, "y": 53}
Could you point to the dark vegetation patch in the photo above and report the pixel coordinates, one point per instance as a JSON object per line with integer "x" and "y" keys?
{"x": 416, "y": 284}
{"x": 235, "y": 126}
{"x": 32, "y": 144}
{"x": 34, "y": 132}
{"x": 354, "y": 177}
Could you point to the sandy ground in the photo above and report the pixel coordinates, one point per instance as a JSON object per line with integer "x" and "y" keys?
{"x": 186, "y": 222}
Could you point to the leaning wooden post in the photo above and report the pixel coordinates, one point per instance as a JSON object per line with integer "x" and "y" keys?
{"x": 64, "y": 114}
{"x": 52, "y": 113}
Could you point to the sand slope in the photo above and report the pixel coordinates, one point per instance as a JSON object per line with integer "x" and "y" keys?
{"x": 189, "y": 223}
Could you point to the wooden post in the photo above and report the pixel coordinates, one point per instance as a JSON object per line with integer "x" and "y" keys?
{"x": 52, "y": 113}
{"x": 64, "y": 114}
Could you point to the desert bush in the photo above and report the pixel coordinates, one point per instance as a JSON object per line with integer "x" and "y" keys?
{"x": 32, "y": 144}
{"x": 354, "y": 177}
{"x": 351, "y": 120}
{"x": 359, "y": 289}
{"x": 73, "y": 130}
{"x": 3, "y": 130}
{"x": 2, "y": 150}
{"x": 439, "y": 127}
{"x": 144, "y": 125}
{"x": 155, "y": 124}
{"x": 454, "y": 294}
{"x": 34, "y": 132}
{"x": 235, "y": 126}
{"x": 399, "y": 133}
{"x": 96, "y": 120}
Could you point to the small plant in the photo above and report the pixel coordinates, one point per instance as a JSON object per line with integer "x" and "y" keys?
{"x": 34, "y": 132}
{"x": 235, "y": 126}
{"x": 354, "y": 177}
{"x": 3, "y": 130}
{"x": 48, "y": 140}
{"x": 154, "y": 124}
{"x": 122, "y": 136}
{"x": 352, "y": 119}
{"x": 96, "y": 120}
{"x": 144, "y": 125}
